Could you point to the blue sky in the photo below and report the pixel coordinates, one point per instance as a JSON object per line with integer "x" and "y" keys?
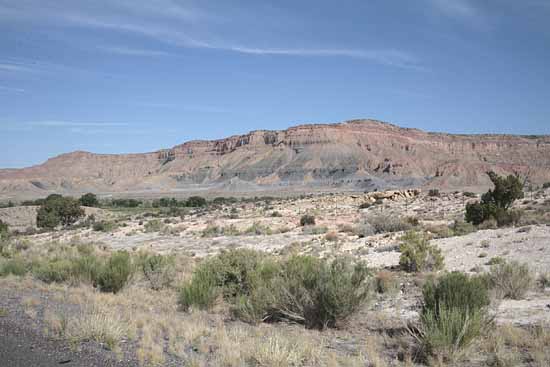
{"x": 138, "y": 75}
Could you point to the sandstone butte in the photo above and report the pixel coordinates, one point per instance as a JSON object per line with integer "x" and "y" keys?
{"x": 358, "y": 155}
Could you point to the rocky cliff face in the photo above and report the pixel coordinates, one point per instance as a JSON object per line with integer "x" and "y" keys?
{"x": 359, "y": 154}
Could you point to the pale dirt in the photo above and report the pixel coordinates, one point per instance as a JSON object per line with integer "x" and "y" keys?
{"x": 528, "y": 244}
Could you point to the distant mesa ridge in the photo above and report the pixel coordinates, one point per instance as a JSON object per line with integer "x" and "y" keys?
{"x": 352, "y": 155}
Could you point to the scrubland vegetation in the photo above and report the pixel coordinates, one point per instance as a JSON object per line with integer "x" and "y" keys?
{"x": 351, "y": 284}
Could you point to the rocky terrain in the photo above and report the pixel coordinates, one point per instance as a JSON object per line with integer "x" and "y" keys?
{"x": 141, "y": 326}
{"x": 357, "y": 155}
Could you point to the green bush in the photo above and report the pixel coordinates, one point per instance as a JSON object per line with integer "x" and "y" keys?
{"x": 461, "y": 228}
{"x": 159, "y": 270}
{"x": 454, "y": 313}
{"x": 318, "y": 293}
{"x": 258, "y": 229}
{"x": 417, "y": 255}
{"x": 115, "y": 273}
{"x": 104, "y": 226}
{"x": 212, "y": 230}
{"x": 230, "y": 274}
{"x": 384, "y": 223}
{"x": 307, "y": 220}
{"x": 89, "y": 199}
{"x": 58, "y": 210}
{"x": 195, "y": 202}
{"x": 301, "y": 289}
{"x": 14, "y": 266}
{"x": 497, "y": 202}
{"x": 153, "y": 225}
{"x": 546, "y": 185}
{"x": 511, "y": 280}
{"x": 434, "y": 193}
{"x": 54, "y": 271}
{"x": 4, "y": 230}
{"x": 201, "y": 292}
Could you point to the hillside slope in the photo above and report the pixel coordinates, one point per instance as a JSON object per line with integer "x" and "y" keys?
{"x": 356, "y": 155}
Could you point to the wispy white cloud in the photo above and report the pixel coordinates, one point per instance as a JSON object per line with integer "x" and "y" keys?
{"x": 169, "y": 22}
{"x": 463, "y": 10}
{"x": 388, "y": 57}
{"x": 11, "y": 89}
{"x": 15, "y": 67}
{"x": 126, "y": 51}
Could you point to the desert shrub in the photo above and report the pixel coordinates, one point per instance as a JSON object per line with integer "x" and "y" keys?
{"x": 434, "y": 193}
{"x": 115, "y": 273}
{"x": 331, "y": 237}
{"x": 386, "y": 282}
{"x": 125, "y": 203}
{"x": 511, "y": 280}
{"x": 543, "y": 280}
{"x": 490, "y": 223}
{"x": 439, "y": 231}
{"x": 318, "y": 293}
{"x": 546, "y": 185}
{"x": 230, "y": 230}
{"x": 258, "y": 229}
{"x": 230, "y": 274}
{"x": 14, "y": 266}
{"x": 461, "y": 228}
{"x": 85, "y": 268}
{"x": 497, "y": 202}
{"x": 307, "y": 220}
{"x": 4, "y": 230}
{"x": 276, "y": 214}
{"x": 89, "y": 199}
{"x": 365, "y": 205}
{"x": 454, "y": 313}
{"x": 104, "y": 226}
{"x": 301, "y": 289}
{"x": 363, "y": 229}
{"x": 417, "y": 255}
{"x": 314, "y": 230}
{"x": 159, "y": 270}
{"x": 201, "y": 292}
{"x": 497, "y": 260}
{"x": 383, "y": 223}
{"x": 58, "y": 210}
{"x": 154, "y": 225}
{"x": 510, "y": 217}
{"x": 54, "y": 271}
{"x": 195, "y": 202}
{"x": 212, "y": 230}
{"x": 469, "y": 194}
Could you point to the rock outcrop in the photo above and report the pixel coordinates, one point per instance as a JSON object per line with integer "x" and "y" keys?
{"x": 355, "y": 155}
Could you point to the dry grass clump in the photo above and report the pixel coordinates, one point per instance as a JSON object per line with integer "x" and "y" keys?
{"x": 158, "y": 270}
{"x": 386, "y": 282}
{"x": 511, "y": 280}
{"x": 93, "y": 322}
{"x": 384, "y": 223}
{"x": 510, "y": 346}
{"x": 417, "y": 255}
{"x": 100, "y": 324}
